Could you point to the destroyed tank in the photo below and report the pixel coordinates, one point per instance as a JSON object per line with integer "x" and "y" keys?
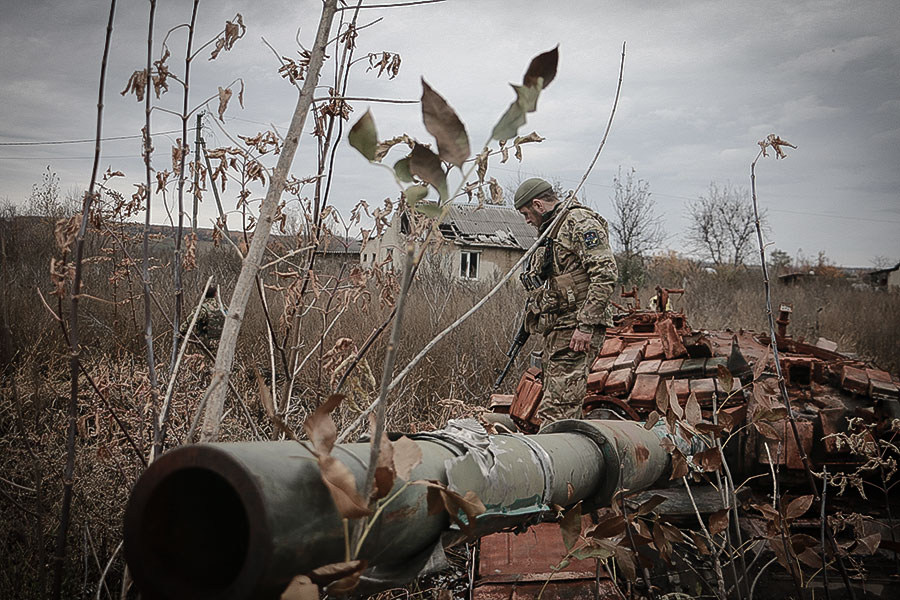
{"x": 239, "y": 520}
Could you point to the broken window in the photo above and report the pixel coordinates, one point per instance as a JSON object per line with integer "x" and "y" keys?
{"x": 468, "y": 265}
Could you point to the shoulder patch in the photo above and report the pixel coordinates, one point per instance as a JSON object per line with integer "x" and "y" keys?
{"x": 591, "y": 239}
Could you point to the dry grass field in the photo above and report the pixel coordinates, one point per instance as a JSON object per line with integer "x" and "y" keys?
{"x": 113, "y": 436}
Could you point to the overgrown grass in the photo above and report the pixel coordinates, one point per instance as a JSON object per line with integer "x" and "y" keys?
{"x": 454, "y": 380}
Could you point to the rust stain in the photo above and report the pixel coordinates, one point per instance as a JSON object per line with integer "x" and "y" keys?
{"x": 641, "y": 453}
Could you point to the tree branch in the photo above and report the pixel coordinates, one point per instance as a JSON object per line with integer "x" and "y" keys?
{"x": 225, "y": 355}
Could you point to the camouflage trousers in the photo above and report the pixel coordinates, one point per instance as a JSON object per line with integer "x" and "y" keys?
{"x": 565, "y": 375}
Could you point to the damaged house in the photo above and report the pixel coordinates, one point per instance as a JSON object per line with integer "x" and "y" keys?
{"x": 478, "y": 243}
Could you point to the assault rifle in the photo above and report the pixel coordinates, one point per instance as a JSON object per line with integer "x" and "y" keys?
{"x": 514, "y": 348}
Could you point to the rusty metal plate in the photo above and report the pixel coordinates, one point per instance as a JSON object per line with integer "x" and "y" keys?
{"x": 704, "y": 389}
{"x": 883, "y": 389}
{"x": 672, "y": 345}
{"x": 805, "y": 429}
{"x": 854, "y": 380}
{"x": 529, "y": 556}
{"x": 799, "y": 370}
{"x": 644, "y": 389}
{"x": 639, "y": 345}
{"x": 501, "y": 402}
{"x": 629, "y": 359}
{"x": 693, "y": 367}
{"x": 881, "y": 385}
{"x": 654, "y": 349}
{"x": 682, "y": 389}
{"x": 604, "y": 363}
{"x": 580, "y": 589}
{"x": 711, "y": 368}
{"x": 648, "y": 367}
{"x": 597, "y": 380}
{"x": 670, "y": 368}
{"x": 789, "y": 455}
{"x": 619, "y": 382}
{"x": 612, "y": 346}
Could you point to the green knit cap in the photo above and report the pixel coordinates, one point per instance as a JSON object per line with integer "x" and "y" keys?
{"x": 531, "y": 189}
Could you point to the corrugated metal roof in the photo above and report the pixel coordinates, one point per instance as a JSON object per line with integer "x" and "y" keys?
{"x": 495, "y": 226}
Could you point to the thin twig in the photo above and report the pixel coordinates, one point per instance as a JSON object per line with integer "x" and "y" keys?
{"x": 716, "y": 563}
{"x": 102, "y": 581}
{"x": 73, "y": 337}
{"x": 758, "y": 575}
{"x": 822, "y": 518}
{"x": 395, "y": 5}
{"x": 164, "y": 414}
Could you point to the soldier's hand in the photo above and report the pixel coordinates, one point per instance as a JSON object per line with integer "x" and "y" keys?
{"x": 580, "y": 341}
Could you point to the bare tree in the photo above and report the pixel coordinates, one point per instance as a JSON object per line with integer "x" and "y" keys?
{"x": 722, "y": 225}
{"x": 635, "y": 225}
{"x": 882, "y": 262}
{"x": 46, "y": 201}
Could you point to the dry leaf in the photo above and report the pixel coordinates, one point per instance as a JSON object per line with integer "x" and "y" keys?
{"x": 699, "y": 542}
{"x": 726, "y": 379}
{"x": 407, "y": 456}
{"x": 328, "y": 573}
{"x": 319, "y": 426}
{"x": 301, "y": 588}
{"x": 342, "y": 486}
{"x": 224, "y": 97}
{"x": 679, "y": 465}
{"x": 709, "y": 460}
{"x": 662, "y": 399}
{"x": 425, "y": 164}
{"x": 692, "y": 412}
{"x": 609, "y": 526}
{"x": 442, "y": 122}
{"x": 265, "y": 397}
{"x": 570, "y": 526}
{"x": 718, "y": 521}
{"x": 661, "y": 543}
{"x": 760, "y": 365}
{"x": 646, "y": 507}
{"x": 798, "y": 507}
{"x": 234, "y": 30}
{"x": 625, "y": 560}
{"x": 65, "y": 232}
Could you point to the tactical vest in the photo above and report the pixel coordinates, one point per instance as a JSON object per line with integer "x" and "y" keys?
{"x": 551, "y": 292}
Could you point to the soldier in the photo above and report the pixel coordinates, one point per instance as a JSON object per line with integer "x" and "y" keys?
{"x": 569, "y": 280}
{"x": 210, "y": 318}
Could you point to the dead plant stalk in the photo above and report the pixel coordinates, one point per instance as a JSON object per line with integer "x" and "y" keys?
{"x": 74, "y": 343}
{"x": 212, "y": 417}
{"x": 775, "y": 143}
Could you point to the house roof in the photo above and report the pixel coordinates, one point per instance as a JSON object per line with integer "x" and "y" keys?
{"x": 885, "y": 271}
{"x": 331, "y": 244}
{"x": 487, "y": 226}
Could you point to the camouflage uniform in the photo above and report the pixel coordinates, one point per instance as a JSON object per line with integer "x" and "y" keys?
{"x": 578, "y": 274}
{"x": 208, "y": 327}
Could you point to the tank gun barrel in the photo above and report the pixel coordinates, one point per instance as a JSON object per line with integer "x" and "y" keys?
{"x": 239, "y": 520}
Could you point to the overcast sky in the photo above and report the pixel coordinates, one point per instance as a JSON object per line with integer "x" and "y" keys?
{"x": 704, "y": 81}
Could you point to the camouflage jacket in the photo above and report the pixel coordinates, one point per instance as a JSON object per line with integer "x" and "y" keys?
{"x": 209, "y": 322}
{"x": 579, "y": 276}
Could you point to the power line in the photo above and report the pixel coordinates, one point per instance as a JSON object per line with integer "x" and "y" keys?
{"x": 767, "y": 208}
{"x": 55, "y": 158}
{"x": 86, "y": 141}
